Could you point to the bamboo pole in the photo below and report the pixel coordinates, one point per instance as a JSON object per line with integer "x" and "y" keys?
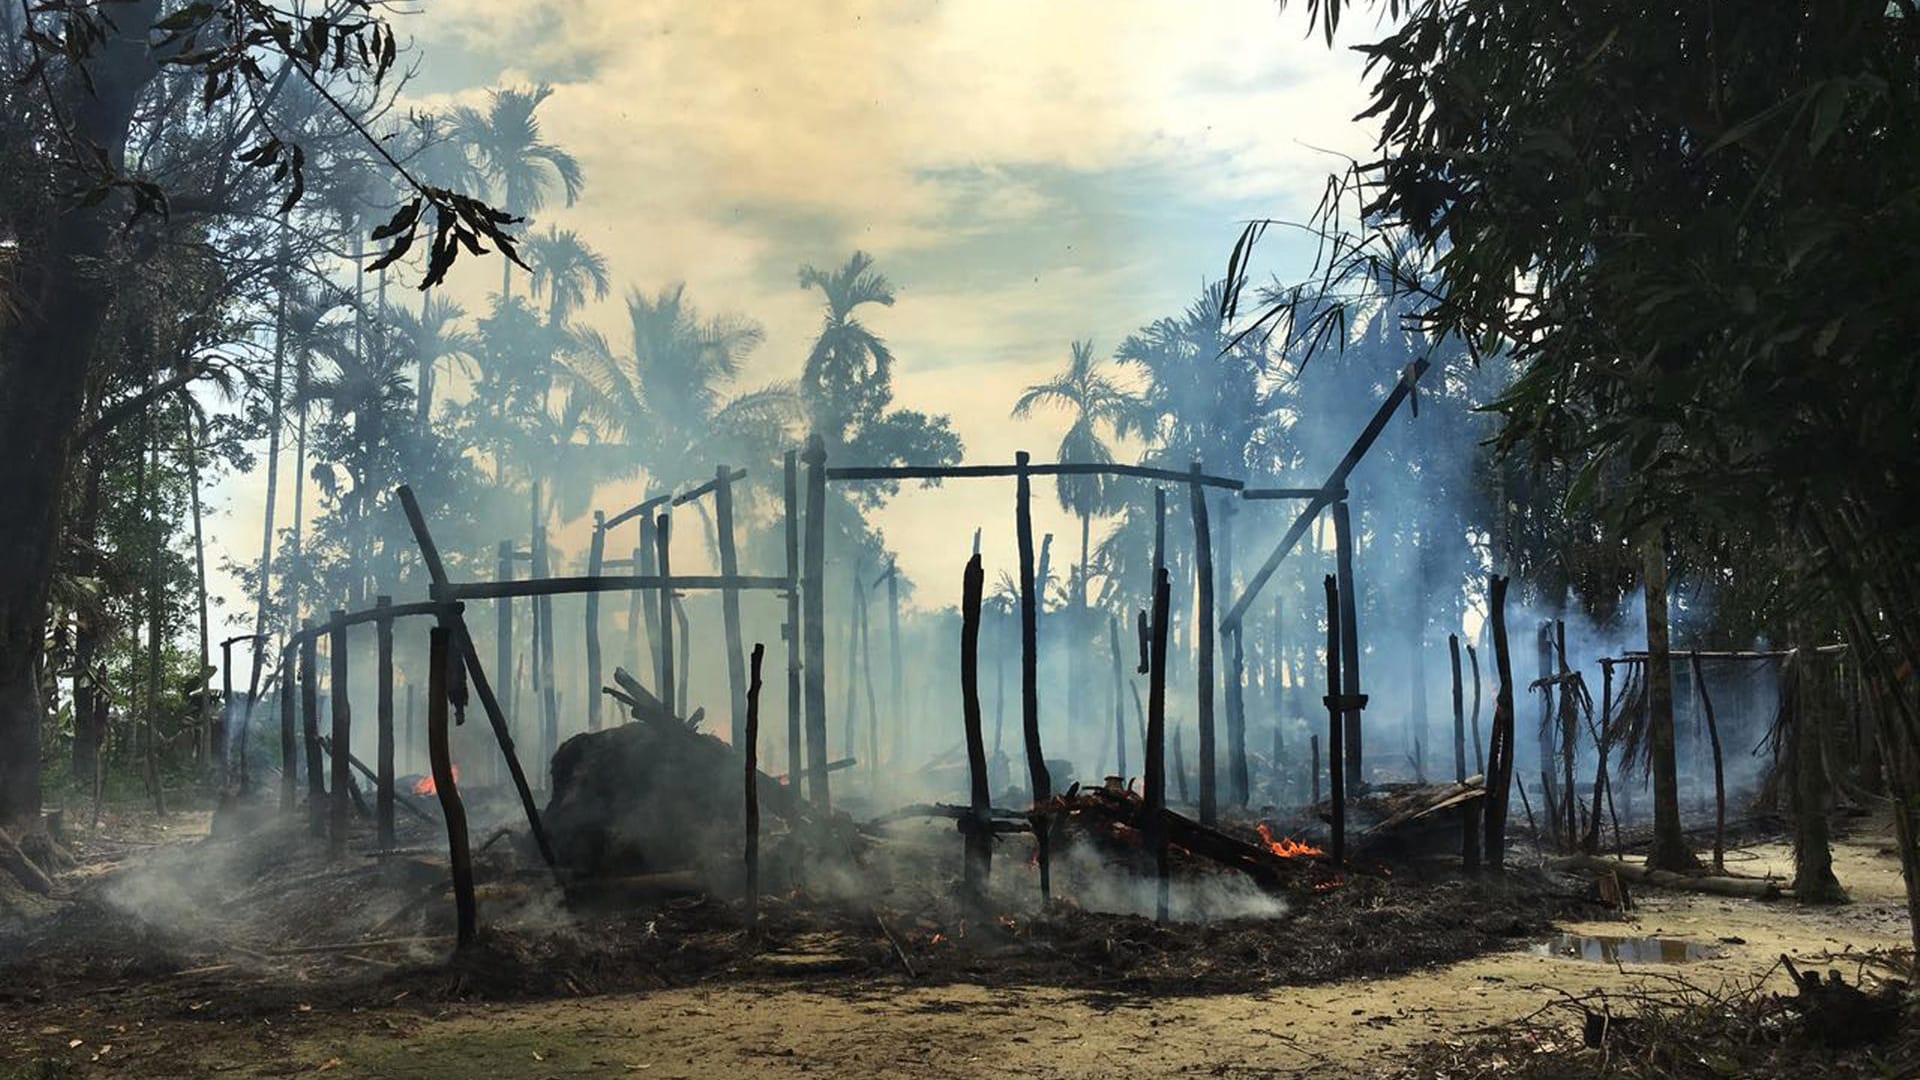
{"x": 1119, "y": 704}
{"x": 1155, "y": 784}
{"x": 596, "y": 556}
{"x": 503, "y": 612}
{"x": 1719, "y": 771}
{"x": 1336, "y": 722}
{"x": 866, "y": 675}
{"x": 791, "y": 631}
{"x": 1040, "y": 782}
{"x": 662, "y": 542}
{"x": 383, "y": 719}
{"x": 1500, "y": 743}
{"x": 342, "y": 773}
{"x": 289, "y": 752}
{"x": 1479, "y": 752}
{"x": 1239, "y": 783}
{"x": 549, "y": 690}
{"x": 1204, "y": 635}
{"x": 649, "y": 554}
{"x": 1459, "y": 712}
{"x": 752, "y": 788}
{"x": 730, "y": 601}
{"x": 310, "y": 726}
{"x": 1354, "y": 760}
{"x": 979, "y": 838}
{"x": 459, "y": 857}
{"x": 815, "y": 625}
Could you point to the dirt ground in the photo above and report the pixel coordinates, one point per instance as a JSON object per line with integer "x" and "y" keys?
{"x": 808, "y": 1007}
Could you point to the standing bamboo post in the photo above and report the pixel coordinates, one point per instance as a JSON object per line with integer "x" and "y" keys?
{"x": 383, "y": 720}
{"x": 1336, "y": 723}
{"x": 459, "y": 858}
{"x": 310, "y": 727}
{"x": 1155, "y": 785}
{"x": 549, "y": 699}
{"x": 596, "y": 556}
{"x": 1239, "y": 783}
{"x": 1459, "y": 713}
{"x": 1569, "y": 735}
{"x": 662, "y": 543}
{"x": 979, "y": 843}
{"x": 289, "y": 752}
{"x": 815, "y": 624}
{"x": 1030, "y": 669}
{"x": 752, "y": 787}
{"x": 791, "y": 631}
{"x": 502, "y": 613}
{"x": 342, "y": 773}
{"x": 648, "y": 554}
{"x": 1119, "y": 705}
{"x": 1479, "y": 751}
{"x": 1500, "y": 743}
{"x": 1204, "y": 633}
{"x": 636, "y": 599}
{"x": 1354, "y": 760}
{"x": 1719, "y": 770}
{"x": 730, "y": 600}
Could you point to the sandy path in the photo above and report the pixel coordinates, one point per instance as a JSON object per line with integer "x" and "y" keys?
{"x": 1348, "y": 1028}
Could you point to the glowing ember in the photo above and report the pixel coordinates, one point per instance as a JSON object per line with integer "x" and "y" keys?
{"x": 1286, "y": 847}
{"x": 1329, "y": 885}
{"x": 423, "y": 787}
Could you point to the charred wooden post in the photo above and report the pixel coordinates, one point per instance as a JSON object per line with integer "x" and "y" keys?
{"x": 289, "y": 753}
{"x": 1569, "y": 733}
{"x": 1239, "y": 783}
{"x": 1119, "y": 705}
{"x": 383, "y": 718}
{"x": 1313, "y": 741}
{"x": 1354, "y": 760}
{"x": 815, "y": 627}
{"x": 979, "y": 826}
{"x": 662, "y": 543}
{"x": 451, "y": 618}
{"x": 1601, "y": 779}
{"x": 310, "y": 727}
{"x": 752, "y": 789}
{"x": 440, "y": 759}
{"x": 791, "y": 631}
{"x": 503, "y": 612}
{"x": 1155, "y": 785}
{"x": 649, "y": 553}
{"x": 1204, "y": 635}
{"x": 549, "y": 691}
{"x": 1500, "y": 742}
{"x": 1479, "y": 751}
{"x": 730, "y": 599}
{"x": 1459, "y": 712}
{"x": 1336, "y": 756}
{"x": 1042, "y": 786}
{"x": 596, "y": 558}
{"x": 1719, "y": 770}
{"x": 1159, "y": 529}
{"x": 342, "y": 773}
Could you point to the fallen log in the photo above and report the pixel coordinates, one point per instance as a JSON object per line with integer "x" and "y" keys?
{"x": 1745, "y": 888}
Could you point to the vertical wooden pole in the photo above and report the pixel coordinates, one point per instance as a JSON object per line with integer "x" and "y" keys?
{"x": 1354, "y": 757}
{"x": 310, "y": 727}
{"x": 444, "y": 786}
{"x": 896, "y": 664}
{"x": 502, "y": 614}
{"x": 1030, "y": 669}
{"x": 730, "y": 601}
{"x": 342, "y": 775}
{"x": 1336, "y": 721}
{"x": 383, "y": 719}
{"x": 1155, "y": 785}
{"x": 791, "y": 631}
{"x": 1239, "y": 783}
{"x": 662, "y": 542}
{"x": 1500, "y": 742}
{"x": 1205, "y": 633}
{"x": 813, "y": 595}
{"x": 979, "y": 842}
{"x": 866, "y": 675}
{"x": 850, "y": 714}
{"x": 1459, "y": 713}
{"x": 596, "y": 558}
{"x": 1719, "y": 770}
{"x": 648, "y": 555}
{"x": 289, "y": 751}
{"x": 751, "y": 727}
{"x": 549, "y": 691}
{"x": 1479, "y": 750}
{"x": 1119, "y": 705}
{"x": 636, "y": 599}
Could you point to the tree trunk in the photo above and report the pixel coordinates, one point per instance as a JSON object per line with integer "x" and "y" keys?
{"x": 1813, "y": 880}
{"x": 273, "y": 472}
{"x": 1670, "y": 850}
{"x": 205, "y": 736}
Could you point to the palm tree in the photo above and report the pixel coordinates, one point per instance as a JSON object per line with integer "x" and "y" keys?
{"x": 565, "y": 269}
{"x": 368, "y": 396}
{"x": 1093, "y": 399}
{"x": 523, "y": 168}
{"x": 667, "y": 398}
{"x": 848, "y": 376}
{"x": 429, "y": 337}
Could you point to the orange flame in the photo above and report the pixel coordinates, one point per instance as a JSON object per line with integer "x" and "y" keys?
{"x": 424, "y": 786}
{"x": 1286, "y": 847}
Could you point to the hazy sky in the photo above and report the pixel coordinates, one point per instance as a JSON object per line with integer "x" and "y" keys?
{"x": 1027, "y": 174}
